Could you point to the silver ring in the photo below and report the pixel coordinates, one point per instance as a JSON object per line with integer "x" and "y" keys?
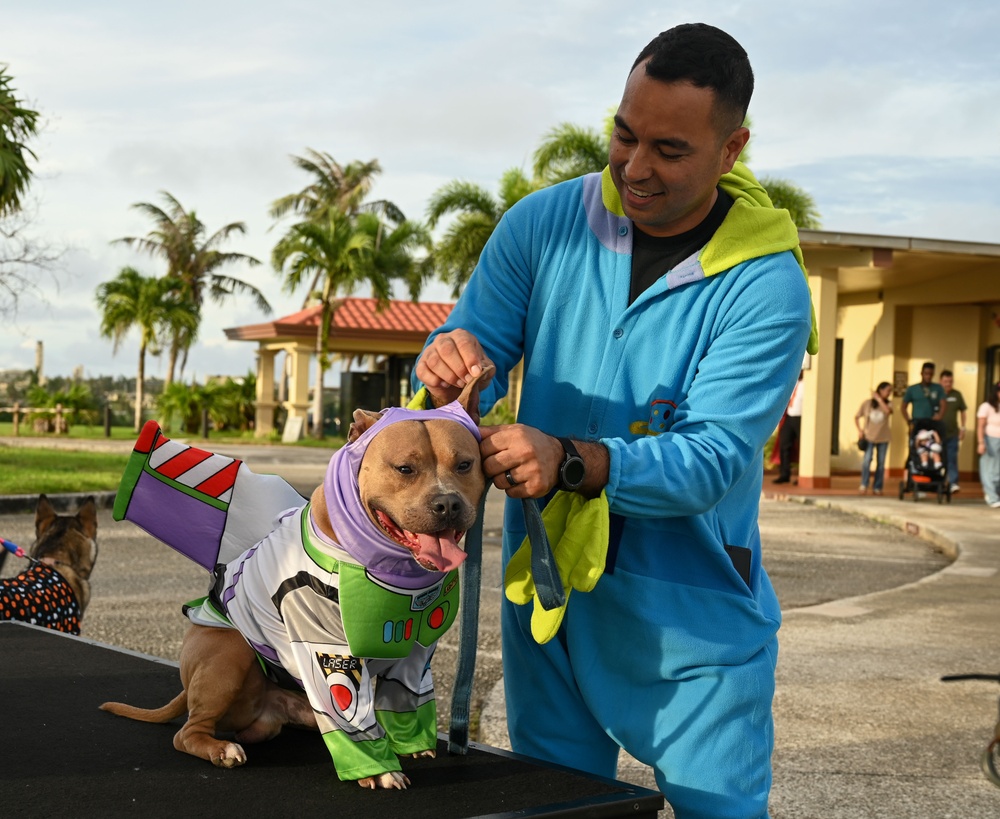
{"x": 510, "y": 480}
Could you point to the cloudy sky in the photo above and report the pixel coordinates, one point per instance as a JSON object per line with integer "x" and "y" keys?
{"x": 886, "y": 112}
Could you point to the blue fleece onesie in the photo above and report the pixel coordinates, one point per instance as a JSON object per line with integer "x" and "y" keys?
{"x": 672, "y": 655}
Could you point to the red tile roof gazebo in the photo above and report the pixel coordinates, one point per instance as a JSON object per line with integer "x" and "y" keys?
{"x": 359, "y": 327}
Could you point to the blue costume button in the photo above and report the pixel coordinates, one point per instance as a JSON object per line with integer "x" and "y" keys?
{"x": 618, "y": 333}
{"x": 623, "y": 230}
{"x": 592, "y": 429}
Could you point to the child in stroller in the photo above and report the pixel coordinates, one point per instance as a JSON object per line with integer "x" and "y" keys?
{"x": 928, "y": 445}
{"x": 925, "y": 472}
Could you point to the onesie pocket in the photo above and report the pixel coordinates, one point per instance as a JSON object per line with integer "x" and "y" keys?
{"x": 680, "y": 625}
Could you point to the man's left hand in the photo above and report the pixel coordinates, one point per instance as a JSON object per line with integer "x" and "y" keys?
{"x": 524, "y": 455}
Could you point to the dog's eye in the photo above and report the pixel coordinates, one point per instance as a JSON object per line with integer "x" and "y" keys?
{"x": 404, "y": 469}
{"x": 463, "y": 467}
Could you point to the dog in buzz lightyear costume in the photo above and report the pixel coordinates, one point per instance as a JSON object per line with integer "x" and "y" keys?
{"x": 354, "y": 586}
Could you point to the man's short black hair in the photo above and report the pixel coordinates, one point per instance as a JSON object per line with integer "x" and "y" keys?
{"x": 946, "y": 374}
{"x": 927, "y": 365}
{"x": 706, "y": 57}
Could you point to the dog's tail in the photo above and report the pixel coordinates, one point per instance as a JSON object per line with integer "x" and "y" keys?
{"x": 173, "y": 709}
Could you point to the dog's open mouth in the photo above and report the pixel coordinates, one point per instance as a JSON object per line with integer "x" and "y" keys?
{"x": 438, "y": 552}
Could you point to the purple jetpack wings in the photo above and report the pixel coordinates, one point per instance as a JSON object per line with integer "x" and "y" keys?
{"x": 210, "y": 508}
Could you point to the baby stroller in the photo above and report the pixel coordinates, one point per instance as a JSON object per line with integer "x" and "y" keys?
{"x": 925, "y": 472}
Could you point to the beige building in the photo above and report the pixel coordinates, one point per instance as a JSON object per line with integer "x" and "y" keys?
{"x": 886, "y": 304}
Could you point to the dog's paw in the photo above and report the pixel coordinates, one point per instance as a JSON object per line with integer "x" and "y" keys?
{"x": 229, "y": 755}
{"x": 430, "y": 754}
{"x": 389, "y": 779}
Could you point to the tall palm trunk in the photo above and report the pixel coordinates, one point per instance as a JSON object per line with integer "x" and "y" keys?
{"x": 318, "y": 388}
{"x": 139, "y": 382}
{"x": 322, "y": 339}
{"x": 171, "y": 363}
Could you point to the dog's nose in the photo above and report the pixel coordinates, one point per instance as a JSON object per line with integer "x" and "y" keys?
{"x": 447, "y": 506}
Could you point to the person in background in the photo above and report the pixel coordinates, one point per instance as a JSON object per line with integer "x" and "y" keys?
{"x": 988, "y": 440}
{"x": 872, "y": 421}
{"x": 790, "y": 432}
{"x": 926, "y": 398}
{"x": 953, "y": 418}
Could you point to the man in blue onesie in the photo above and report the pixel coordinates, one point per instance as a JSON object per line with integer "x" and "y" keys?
{"x": 662, "y": 313}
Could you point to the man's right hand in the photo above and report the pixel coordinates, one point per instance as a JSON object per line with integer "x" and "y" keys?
{"x": 450, "y": 362}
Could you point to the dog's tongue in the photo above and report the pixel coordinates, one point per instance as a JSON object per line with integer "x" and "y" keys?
{"x": 441, "y": 549}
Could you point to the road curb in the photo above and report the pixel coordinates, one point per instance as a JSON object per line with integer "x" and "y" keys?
{"x": 949, "y": 545}
{"x": 65, "y": 502}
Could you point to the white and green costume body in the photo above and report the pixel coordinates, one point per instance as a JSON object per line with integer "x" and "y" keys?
{"x": 332, "y": 618}
{"x": 672, "y": 654}
{"x": 317, "y": 618}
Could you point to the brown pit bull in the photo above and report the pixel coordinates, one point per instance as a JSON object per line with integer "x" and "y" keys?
{"x": 352, "y": 589}
{"x": 55, "y": 590}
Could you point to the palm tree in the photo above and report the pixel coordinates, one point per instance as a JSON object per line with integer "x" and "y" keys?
{"x": 396, "y": 253}
{"x": 148, "y": 304}
{"x": 478, "y": 213}
{"x": 334, "y": 187}
{"x": 336, "y": 255}
{"x": 569, "y": 151}
{"x": 193, "y": 260}
{"x": 17, "y": 125}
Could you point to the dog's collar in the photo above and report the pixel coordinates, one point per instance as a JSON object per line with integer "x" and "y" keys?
{"x": 356, "y": 533}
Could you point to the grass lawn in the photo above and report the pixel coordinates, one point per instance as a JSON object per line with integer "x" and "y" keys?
{"x": 30, "y": 471}
{"x": 76, "y": 431}
{"x": 36, "y": 470}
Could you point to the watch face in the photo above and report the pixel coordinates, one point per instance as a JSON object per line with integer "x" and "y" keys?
{"x": 573, "y": 471}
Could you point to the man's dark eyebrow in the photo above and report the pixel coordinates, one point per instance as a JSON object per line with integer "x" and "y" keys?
{"x": 667, "y": 142}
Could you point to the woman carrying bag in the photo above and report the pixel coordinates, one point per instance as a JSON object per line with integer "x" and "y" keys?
{"x": 872, "y": 421}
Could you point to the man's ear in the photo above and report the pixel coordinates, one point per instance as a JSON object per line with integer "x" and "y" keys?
{"x": 362, "y": 420}
{"x": 733, "y": 147}
{"x": 469, "y": 397}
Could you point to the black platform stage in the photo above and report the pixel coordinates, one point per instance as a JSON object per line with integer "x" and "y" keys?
{"x": 61, "y": 756}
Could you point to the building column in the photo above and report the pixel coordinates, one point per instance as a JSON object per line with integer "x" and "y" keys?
{"x": 297, "y": 404}
{"x": 817, "y": 409}
{"x": 264, "y": 414}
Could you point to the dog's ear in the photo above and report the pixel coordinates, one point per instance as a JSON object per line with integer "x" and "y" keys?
{"x": 469, "y": 397}
{"x": 362, "y": 420}
{"x": 87, "y": 516}
{"x": 44, "y": 515}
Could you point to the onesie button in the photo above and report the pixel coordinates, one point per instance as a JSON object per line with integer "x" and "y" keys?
{"x": 618, "y": 333}
{"x": 592, "y": 429}
{"x": 623, "y": 230}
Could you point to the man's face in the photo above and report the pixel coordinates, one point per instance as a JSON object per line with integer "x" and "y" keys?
{"x": 667, "y": 153}
{"x": 946, "y": 382}
{"x": 927, "y": 375}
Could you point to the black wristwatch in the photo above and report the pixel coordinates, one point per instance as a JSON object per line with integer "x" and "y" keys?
{"x": 572, "y": 470}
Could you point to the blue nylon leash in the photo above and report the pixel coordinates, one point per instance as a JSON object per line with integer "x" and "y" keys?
{"x": 548, "y": 585}
{"x": 550, "y": 594}
{"x": 465, "y": 671}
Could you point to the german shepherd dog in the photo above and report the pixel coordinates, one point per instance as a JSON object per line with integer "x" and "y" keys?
{"x": 55, "y": 590}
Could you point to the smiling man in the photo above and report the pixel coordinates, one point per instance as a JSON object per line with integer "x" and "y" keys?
{"x": 662, "y": 314}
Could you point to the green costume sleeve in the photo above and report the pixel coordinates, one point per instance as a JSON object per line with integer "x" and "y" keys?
{"x": 411, "y": 731}
{"x": 358, "y": 759}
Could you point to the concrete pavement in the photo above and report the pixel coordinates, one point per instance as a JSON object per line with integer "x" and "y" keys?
{"x": 864, "y": 726}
